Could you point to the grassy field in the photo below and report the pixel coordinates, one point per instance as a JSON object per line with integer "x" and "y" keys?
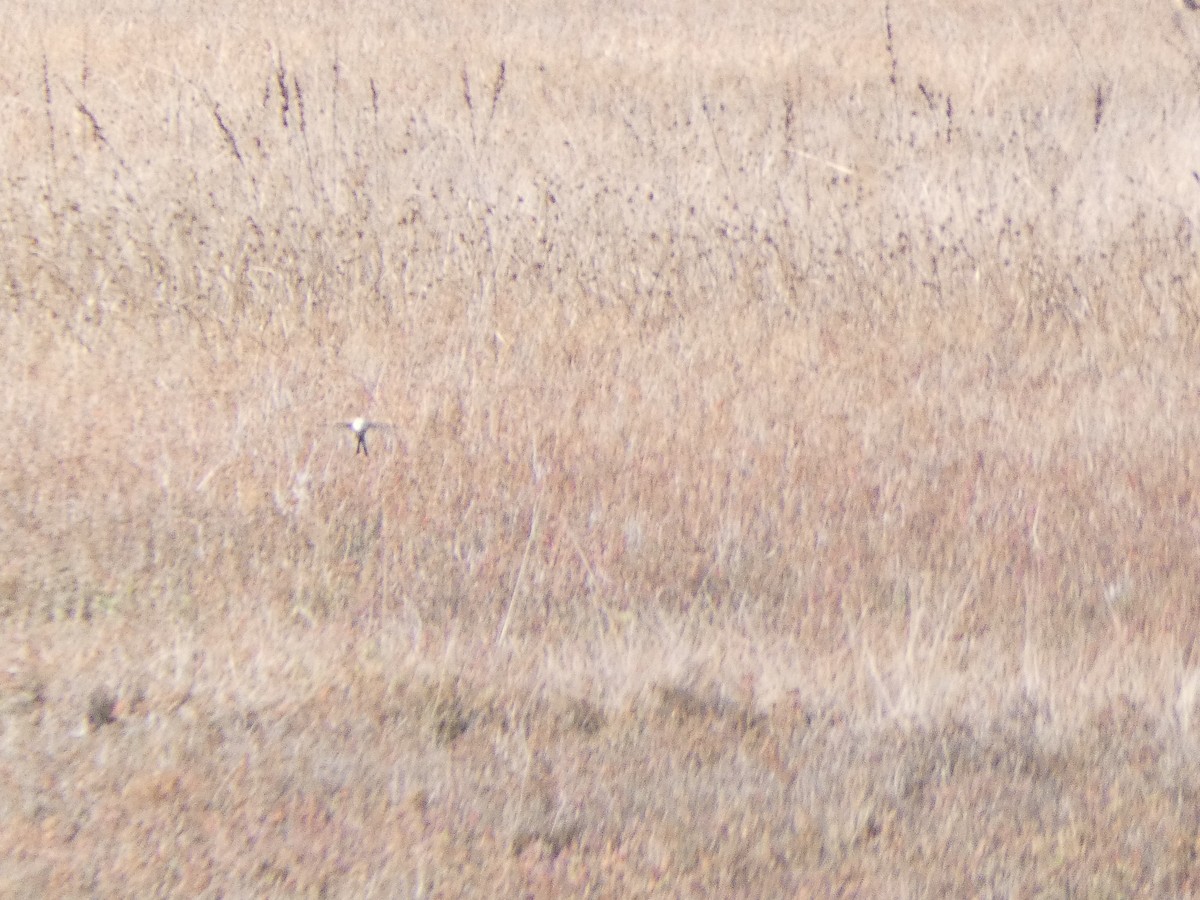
{"x": 794, "y": 482}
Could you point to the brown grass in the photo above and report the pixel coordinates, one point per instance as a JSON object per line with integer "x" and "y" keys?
{"x": 794, "y": 483}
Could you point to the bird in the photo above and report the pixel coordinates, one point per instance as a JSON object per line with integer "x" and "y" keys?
{"x": 360, "y": 426}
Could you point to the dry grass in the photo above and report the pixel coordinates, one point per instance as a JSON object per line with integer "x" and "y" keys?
{"x": 794, "y": 483}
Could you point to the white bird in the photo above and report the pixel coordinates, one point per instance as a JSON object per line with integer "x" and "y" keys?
{"x": 360, "y": 427}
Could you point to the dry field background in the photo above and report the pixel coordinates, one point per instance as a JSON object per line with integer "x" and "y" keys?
{"x": 794, "y": 482}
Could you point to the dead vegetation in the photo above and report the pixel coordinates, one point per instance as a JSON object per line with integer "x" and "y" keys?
{"x": 792, "y": 483}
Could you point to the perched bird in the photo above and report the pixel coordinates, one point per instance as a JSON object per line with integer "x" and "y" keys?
{"x": 360, "y": 427}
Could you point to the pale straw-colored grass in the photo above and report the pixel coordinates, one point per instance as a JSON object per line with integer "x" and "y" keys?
{"x": 792, "y": 484}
